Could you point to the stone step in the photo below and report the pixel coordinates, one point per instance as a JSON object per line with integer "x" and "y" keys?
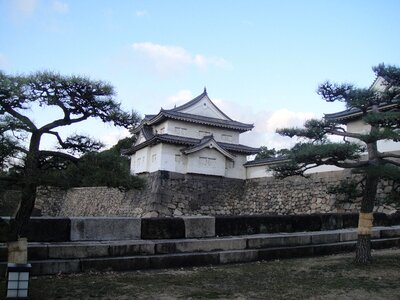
{"x": 93, "y": 249}
{"x": 188, "y": 259}
{"x": 70, "y": 257}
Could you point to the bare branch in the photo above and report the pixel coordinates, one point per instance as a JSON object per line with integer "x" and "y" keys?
{"x": 21, "y": 117}
{"x": 62, "y": 122}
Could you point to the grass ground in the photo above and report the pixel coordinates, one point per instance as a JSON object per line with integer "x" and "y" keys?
{"x": 329, "y": 277}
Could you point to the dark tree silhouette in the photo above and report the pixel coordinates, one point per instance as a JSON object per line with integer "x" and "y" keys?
{"x": 379, "y": 110}
{"x": 78, "y": 99}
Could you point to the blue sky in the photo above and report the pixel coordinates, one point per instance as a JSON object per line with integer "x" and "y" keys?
{"x": 261, "y": 61}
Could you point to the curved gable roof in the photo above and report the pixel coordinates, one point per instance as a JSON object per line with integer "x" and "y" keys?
{"x": 191, "y": 143}
{"x": 215, "y": 117}
{"x": 188, "y": 107}
{"x": 208, "y": 142}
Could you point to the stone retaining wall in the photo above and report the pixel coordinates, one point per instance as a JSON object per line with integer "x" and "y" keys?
{"x": 173, "y": 194}
{"x": 299, "y": 195}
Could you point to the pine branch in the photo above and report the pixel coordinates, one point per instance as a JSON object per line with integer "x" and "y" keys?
{"x": 388, "y": 155}
{"x": 392, "y": 162}
{"x": 24, "y": 119}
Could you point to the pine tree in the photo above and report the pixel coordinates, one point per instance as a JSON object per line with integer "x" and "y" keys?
{"x": 379, "y": 110}
{"x": 77, "y": 99}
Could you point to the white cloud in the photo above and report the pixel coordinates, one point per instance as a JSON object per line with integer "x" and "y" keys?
{"x": 25, "y": 7}
{"x": 112, "y": 136}
{"x": 168, "y": 59}
{"x": 284, "y": 118}
{"x": 203, "y": 62}
{"x": 179, "y": 98}
{"x": 265, "y": 124}
{"x": 60, "y": 7}
{"x": 141, "y": 13}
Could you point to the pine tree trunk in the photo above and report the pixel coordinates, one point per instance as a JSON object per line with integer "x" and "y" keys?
{"x": 28, "y": 193}
{"x": 366, "y": 218}
{"x": 365, "y": 221}
{"x": 363, "y": 249}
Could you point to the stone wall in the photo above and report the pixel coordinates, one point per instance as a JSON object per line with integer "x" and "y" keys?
{"x": 299, "y": 195}
{"x": 173, "y": 194}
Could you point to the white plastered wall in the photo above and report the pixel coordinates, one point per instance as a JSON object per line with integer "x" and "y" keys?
{"x": 206, "y": 161}
{"x": 238, "y": 170}
{"x": 264, "y": 171}
{"x": 359, "y": 126}
{"x": 139, "y": 161}
{"x": 197, "y": 131}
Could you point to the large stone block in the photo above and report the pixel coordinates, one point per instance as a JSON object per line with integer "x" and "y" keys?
{"x": 47, "y": 229}
{"x": 327, "y": 249}
{"x": 163, "y": 228}
{"x": 179, "y": 246}
{"x": 268, "y": 241}
{"x": 105, "y": 228}
{"x": 3, "y": 269}
{"x": 385, "y": 243}
{"x": 325, "y": 237}
{"x": 4, "y": 228}
{"x": 305, "y": 222}
{"x": 115, "y": 263}
{"x": 37, "y": 251}
{"x": 238, "y": 256}
{"x": 132, "y": 248}
{"x": 244, "y": 225}
{"x": 348, "y": 235}
{"x": 48, "y": 267}
{"x": 3, "y": 252}
{"x": 331, "y": 221}
{"x": 199, "y": 226}
{"x": 390, "y": 232}
{"x": 183, "y": 260}
{"x": 77, "y": 250}
{"x": 350, "y": 220}
{"x": 285, "y": 252}
{"x": 381, "y": 219}
{"x": 395, "y": 219}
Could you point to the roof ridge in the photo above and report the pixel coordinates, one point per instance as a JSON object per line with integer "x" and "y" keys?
{"x": 190, "y": 102}
{"x": 196, "y": 100}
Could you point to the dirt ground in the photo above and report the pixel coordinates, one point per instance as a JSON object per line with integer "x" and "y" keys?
{"x": 329, "y": 277}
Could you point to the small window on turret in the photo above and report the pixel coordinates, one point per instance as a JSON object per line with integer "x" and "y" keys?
{"x": 180, "y": 130}
{"x": 226, "y": 137}
{"x": 203, "y": 133}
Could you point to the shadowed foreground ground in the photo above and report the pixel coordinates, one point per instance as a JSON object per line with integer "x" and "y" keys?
{"x": 330, "y": 277}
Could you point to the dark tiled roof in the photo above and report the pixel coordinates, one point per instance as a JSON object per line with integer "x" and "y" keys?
{"x": 202, "y": 120}
{"x": 190, "y": 142}
{"x": 206, "y": 141}
{"x": 195, "y": 101}
{"x": 239, "y": 148}
{"x": 202, "y": 142}
{"x": 354, "y": 113}
{"x": 177, "y": 114}
{"x": 147, "y": 132}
